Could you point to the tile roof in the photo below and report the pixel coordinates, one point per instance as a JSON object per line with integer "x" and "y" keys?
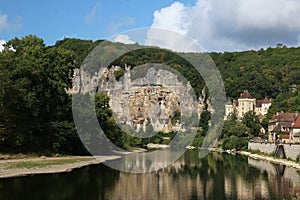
{"x": 283, "y": 117}
{"x": 282, "y": 125}
{"x": 246, "y": 95}
{"x": 276, "y": 129}
{"x": 235, "y": 103}
{"x": 266, "y": 100}
{"x": 259, "y": 103}
{"x": 297, "y": 122}
{"x": 285, "y": 136}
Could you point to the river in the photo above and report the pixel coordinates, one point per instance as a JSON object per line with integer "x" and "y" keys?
{"x": 217, "y": 176}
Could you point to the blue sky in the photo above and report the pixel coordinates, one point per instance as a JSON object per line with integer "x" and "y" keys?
{"x": 88, "y": 19}
{"x": 219, "y": 25}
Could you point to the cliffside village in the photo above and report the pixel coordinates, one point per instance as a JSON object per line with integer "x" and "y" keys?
{"x": 152, "y": 99}
{"x": 283, "y": 127}
{"x": 145, "y": 96}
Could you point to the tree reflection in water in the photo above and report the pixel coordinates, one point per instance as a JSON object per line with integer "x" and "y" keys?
{"x": 92, "y": 182}
{"x": 217, "y": 176}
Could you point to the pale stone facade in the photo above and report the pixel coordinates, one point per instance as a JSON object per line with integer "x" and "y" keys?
{"x": 295, "y": 132}
{"x": 284, "y": 127}
{"x": 150, "y": 99}
{"x": 247, "y": 103}
{"x": 144, "y": 96}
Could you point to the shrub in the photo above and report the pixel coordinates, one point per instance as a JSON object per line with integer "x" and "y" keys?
{"x": 234, "y": 142}
{"x": 298, "y": 158}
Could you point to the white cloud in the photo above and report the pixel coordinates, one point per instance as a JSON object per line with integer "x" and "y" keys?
{"x": 123, "y": 39}
{"x": 5, "y": 24}
{"x": 116, "y": 25}
{"x": 172, "y": 40}
{"x": 173, "y": 18}
{"x": 89, "y": 18}
{"x": 234, "y": 25}
{"x": 1, "y": 45}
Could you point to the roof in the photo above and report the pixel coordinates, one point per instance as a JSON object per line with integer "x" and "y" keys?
{"x": 235, "y": 103}
{"x": 285, "y": 136}
{"x": 266, "y": 100}
{"x": 297, "y": 122}
{"x": 276, "y": 129}
{"x": 280, "y": 125}
{"x": 259, "y": 103}
{"x": 284, "y": 117}
{"x": 246, "y": 95}
{"x": 285, "y": 124}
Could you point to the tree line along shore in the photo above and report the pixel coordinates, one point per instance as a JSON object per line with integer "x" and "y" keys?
{"x": 36, "y": 111}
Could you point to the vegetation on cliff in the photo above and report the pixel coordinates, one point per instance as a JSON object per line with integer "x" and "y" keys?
{"x": 35, "y": 111}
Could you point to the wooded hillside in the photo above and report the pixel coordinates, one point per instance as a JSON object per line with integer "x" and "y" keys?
{"x": 35, "y": 111}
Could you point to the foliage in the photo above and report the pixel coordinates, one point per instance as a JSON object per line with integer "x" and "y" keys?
{"x": 298, "y": 158}
{"x": 235, "y": 128}
{"x": 197, "y": 142}
{"x": 176, "y": 117}
{"x": 251, "y": 120}
{"x": 162, "y": 56}
{"x": 36, "y": 114}
{"x": 234, "y": 142}
{"x": 81, "y": 48}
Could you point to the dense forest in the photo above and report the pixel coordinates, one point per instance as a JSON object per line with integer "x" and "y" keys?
{"x": 36, "y": 113}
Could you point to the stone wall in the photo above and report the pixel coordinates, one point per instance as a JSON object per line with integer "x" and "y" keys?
{"x": 291, "y": 151}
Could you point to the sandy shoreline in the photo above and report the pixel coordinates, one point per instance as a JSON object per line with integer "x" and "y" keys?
{"x": 82, "y": 161}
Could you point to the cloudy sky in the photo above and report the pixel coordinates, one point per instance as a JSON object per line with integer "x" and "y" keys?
{"x": 218, "y": 25}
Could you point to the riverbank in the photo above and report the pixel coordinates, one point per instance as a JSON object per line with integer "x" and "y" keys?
{"x": 280, "y": 161}
{"x": 47, "y": 165}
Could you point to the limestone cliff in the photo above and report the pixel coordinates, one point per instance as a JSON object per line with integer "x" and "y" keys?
{"x": 144, "y": 95}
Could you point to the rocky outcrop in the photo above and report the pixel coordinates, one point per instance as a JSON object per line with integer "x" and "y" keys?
{"x": 144, "y": 96}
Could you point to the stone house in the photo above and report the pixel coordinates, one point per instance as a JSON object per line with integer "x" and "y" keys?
{"x": 295, "y": 131}
{"x": 281, "y": 124}
{"x": 246, "y": 103}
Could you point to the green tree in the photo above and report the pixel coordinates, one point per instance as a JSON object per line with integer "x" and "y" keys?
{"x": 234, "y": 142}
{"x": 251, "y": 120}
{"x": 33, "y": 98}
{"x": 234, "y": 128}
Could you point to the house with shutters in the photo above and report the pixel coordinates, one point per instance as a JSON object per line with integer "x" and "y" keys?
{"x": 295, "y": 131}
{"x": 280, "y": 126}
{"x": 246, "y": 103}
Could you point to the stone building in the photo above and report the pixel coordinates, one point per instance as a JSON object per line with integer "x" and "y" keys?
{"x": 246, "y": 103}
{"x": 149, "y": 99}
{"x": 282, "y": 124}
{"x": 295, "y": 131}
{"x": 145, "y": 98}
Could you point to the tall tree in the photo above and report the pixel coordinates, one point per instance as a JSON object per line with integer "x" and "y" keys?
{"x": 251, "y": 120}
{"x": 33, "y": 78}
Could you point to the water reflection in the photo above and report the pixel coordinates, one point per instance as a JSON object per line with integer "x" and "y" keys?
{"x": 217, "y": 176}
{"x": 93, "y": 182}
{"x": 282, "y": 181}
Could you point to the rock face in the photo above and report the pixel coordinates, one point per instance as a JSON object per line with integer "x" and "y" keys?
{"x": 144, "y": 96}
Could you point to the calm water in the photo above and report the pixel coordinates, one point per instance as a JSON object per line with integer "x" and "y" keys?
{"x": 217, "y": 176}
